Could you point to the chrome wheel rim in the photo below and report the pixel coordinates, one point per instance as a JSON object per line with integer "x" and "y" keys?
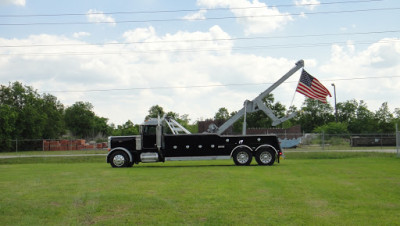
{"x": 265, "y": 157}
{"x": 242, "y": 157}
{"x": 119, "y": 160}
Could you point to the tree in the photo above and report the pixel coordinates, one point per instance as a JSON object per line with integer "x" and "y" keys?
{"x": 79, "y": 119}
{"x": 155, "y": 111}
{"x": 8, "y": 118}
{"x": 128, "y": 128}
{"x": 314, "y": 113}
{"x": 53, "y": 109}
{"x": 27, "y": 115}
{"x": 347, "y": 111}
{"x": 101, "y": 127}
{"x": 364, "y": 121}
{"x": 25, "y": 101}
{"x": 222, "y": 114}
{"x": 34, "y": 116}
{"x": 384, "y": 119}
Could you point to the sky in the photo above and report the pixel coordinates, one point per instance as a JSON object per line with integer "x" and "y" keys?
{"x": 194, "y": 57}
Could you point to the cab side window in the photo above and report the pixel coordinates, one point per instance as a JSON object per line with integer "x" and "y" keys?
{"x": 149, "y": 130}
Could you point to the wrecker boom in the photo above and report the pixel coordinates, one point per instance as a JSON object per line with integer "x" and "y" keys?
{"x": 257, "y": 104}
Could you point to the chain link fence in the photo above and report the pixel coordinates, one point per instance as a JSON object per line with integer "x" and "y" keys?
{"x": 19, "y": 145}
{"x": 306, "y": 141}
{"x": 347, "y": 141}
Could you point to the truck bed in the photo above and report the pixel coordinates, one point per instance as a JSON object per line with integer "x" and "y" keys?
{"x": 212, "y": 144}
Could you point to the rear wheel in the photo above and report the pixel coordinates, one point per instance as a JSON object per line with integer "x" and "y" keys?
{"x": 265, "y": 156}
{"x": 242, "y": 157}
{"x": 120, "y": 159}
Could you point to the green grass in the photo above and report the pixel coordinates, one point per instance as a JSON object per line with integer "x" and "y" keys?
{"x": 305, "y": 189}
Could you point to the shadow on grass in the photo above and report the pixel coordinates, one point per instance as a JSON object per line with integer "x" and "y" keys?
{"x": 194, "y": 165}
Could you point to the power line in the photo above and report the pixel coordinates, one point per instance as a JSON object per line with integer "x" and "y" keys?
{"x": 184, "y": 10}
{"x": 200, "y": 19}
{"x": 206, "y": 86}
{"x": 201, "y": 40}
{"x": 153, "y": 51}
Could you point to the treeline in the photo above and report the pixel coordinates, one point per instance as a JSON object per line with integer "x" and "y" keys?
{"x": 353, "y": 117}
{"x": 314, "y": 116}
{"x": 25, "y": 114}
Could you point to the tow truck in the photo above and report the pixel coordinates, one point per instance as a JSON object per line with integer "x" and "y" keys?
{"x": 164, "y": 139}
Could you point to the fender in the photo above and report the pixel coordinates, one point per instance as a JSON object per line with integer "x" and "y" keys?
{"x": 119, "y": 149}
{"x": 240, "y": 146}
{"x": 267, "y": 145}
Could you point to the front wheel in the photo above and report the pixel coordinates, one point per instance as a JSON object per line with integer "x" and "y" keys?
{"x": 265, "y": 157}
{"x": 242, "y": 157}
{"x": 120, "y": 159}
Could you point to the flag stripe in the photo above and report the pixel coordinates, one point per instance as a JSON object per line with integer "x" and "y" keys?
{"x": 309, "y": 93}
{"x": 312, "y": 88}
{"x": 321, "y": 87}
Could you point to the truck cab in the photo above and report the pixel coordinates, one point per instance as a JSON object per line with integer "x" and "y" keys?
{"x": 149, "y": 135}
{"x": 126, "y": 150}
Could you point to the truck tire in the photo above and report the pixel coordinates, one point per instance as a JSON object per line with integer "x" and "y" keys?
{"x": 265, "y": 156}
{"x": 242, "y": 156}
{"x": 119, "y": 159}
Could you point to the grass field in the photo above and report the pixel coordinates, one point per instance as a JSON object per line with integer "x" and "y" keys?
{"x": 304, "y": 189}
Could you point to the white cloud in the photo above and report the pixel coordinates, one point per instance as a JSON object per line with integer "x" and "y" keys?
{"x": 196, "y": 16}
{"x": 97, "y": 16}
{"x": 140, "y": 66}
{"x": 256, "y": 17}
{"x": 146, "y": 40}
{"x": 184, "y": 59}
{"x": 13, "y": 2}
{"x": 380, "y": 59}
{"x": 80, "y": 34}
{"x": 308, "y": 4}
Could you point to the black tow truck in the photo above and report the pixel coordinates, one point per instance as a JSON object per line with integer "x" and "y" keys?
{"x": 154, "y": 145}
{"x": 165, "y": 139}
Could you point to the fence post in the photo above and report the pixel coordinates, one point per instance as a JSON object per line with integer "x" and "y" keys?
{"x": 16, "y": 144}
{"x": 323, "y": 140}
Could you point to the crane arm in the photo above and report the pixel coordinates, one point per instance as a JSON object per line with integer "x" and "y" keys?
{"x": 257, "y": 104}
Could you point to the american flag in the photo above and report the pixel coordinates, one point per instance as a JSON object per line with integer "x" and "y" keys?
{"x": 312, "y": 88}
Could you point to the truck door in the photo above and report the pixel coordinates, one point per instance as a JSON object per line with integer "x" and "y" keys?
{"x": 149, "y": 137}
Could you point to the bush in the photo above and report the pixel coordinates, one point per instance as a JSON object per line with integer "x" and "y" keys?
{"x": 333, "y": 128}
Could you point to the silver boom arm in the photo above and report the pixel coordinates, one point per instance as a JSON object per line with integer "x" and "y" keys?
{"x": 257, "y": 104}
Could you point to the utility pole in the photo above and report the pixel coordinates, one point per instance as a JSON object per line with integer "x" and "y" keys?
{"x": 334, "y": 93}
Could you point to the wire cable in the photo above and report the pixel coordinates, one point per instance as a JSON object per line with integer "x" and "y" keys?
{"x": 207, "y": 86}
{"x": 201, "y": 19}
{"x": 184, "y": 10}
{"x": 201, "y": 40}
{"x": 191, "y": 50}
